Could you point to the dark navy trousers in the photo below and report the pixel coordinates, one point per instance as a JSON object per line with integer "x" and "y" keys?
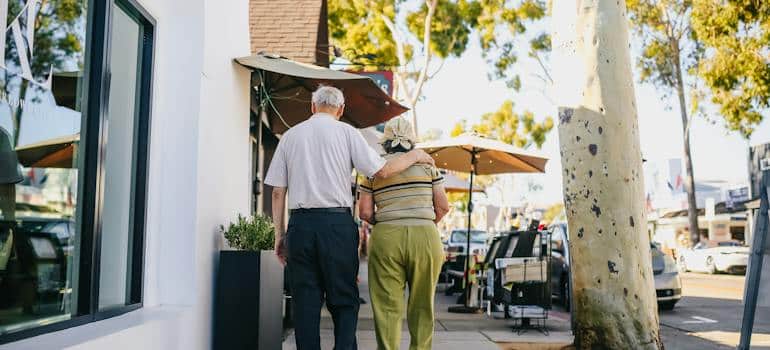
{"x": 323, "y": 267}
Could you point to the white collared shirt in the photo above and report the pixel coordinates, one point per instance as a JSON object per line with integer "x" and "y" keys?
{"x": 315, "y": 161}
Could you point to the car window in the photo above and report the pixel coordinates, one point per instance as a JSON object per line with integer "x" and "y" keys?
{"x": 477, "y": 236}
{"x": 60, "y": 230}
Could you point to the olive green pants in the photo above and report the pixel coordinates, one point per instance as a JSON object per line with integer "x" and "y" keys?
{"x": 401, "y": 256}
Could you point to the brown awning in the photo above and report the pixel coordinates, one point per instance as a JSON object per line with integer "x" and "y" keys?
{"x": 58, "y": 152}
{"x": 285, "y": 86}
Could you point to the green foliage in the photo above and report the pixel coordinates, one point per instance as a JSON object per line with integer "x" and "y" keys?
{"x": 58, "y": 44}
{"x": 664, "y": 30}
{"x": 253, "y": 233}
{"x": 554, "y": 212}
{"x": 500, "y": 24}
{"x": 358, "y": 28}
{"x": 451, "y": 26}
{"x": 506, "y": 125}
{"x": 723, "y": 44}
{"x": 736, "y": 66}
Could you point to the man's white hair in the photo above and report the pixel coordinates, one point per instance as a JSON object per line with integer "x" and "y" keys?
{"x": 328, "y": 96}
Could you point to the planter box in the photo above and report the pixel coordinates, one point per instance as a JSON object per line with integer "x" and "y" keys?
{"x": 248, "y": 303}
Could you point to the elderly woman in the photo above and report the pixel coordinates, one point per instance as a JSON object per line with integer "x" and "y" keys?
{"x": 405, "y": 247}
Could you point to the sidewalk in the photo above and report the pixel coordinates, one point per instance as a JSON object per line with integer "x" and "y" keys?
{"x": 454, "y": 331}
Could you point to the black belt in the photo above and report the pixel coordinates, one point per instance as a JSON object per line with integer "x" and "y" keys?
{"x": 337, "y": 210}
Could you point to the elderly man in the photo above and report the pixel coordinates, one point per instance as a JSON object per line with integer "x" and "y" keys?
{"x": 314, "y": 162}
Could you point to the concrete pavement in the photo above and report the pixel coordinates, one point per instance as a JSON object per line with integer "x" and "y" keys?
{"x": 454, "y": 331}
{"x": 708, "y": 317}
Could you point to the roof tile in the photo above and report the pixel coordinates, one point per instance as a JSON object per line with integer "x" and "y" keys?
{"x": 286, "y": 27}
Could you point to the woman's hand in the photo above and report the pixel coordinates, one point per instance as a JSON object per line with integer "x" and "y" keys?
{"x": 366, "y": 207}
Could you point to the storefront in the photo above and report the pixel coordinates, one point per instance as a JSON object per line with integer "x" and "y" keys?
{"x": 124, "y": 145}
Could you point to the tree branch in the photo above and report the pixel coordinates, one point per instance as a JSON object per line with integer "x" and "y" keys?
{"x": 542, "y": 66}
{"x": 423, "y": 76}
{"x": 426, "y": 47}
{"x": 441, "y": 65}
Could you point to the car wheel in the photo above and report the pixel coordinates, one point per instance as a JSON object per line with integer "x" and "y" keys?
{"x": 710, "y": 266}
{"x": 565, "y": 295}
{"x": 667, "y": 305}
{"x": 682, "y": 264}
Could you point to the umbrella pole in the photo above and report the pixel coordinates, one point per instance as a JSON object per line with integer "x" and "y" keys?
{"x": 468, "y": 235}
{"x": 465, "y": 308}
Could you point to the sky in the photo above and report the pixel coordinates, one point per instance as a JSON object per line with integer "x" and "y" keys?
{"x": 461, "y": 90}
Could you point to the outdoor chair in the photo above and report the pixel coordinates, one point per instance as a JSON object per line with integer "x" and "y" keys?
{"x": 525, "y": 281}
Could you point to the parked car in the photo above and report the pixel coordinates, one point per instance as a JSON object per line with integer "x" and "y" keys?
{"x": 458, "y": 240}
{"x": 730, "y": 257}
{"x": 668, "y": 283}
{"x": 37, "y": 270}
{"x": 560, "y": 262}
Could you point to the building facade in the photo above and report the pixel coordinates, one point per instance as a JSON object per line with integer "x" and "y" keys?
{"x": 125, "y": 144}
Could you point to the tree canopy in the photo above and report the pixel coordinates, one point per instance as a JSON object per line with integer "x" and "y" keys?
{"x": 391, "y": 34}
{"x": 735, "y": 68}
{"x": 505, "y": 124}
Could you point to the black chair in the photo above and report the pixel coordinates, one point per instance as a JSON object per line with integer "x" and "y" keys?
{"x": 525, "y": 245}
{"x": 533, "y": 292}
{"x": 504, "y": 250}
{"x": 456, "y": 274}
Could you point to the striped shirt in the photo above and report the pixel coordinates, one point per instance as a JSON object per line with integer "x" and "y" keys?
{"x": 405, "y": 198}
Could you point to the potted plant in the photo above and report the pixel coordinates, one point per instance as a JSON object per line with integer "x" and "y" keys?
{"x": 249, "y": 289}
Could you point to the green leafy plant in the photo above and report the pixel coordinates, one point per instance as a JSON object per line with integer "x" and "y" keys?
{"x": 252, "y": 233}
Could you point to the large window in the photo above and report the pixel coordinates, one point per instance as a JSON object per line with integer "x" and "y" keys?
{"x": 74, "y": 117}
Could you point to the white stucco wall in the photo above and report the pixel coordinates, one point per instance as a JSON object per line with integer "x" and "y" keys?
{"x": 198, "y": 178}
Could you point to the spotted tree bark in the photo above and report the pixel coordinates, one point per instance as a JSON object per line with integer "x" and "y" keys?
{"x": 614, "y": 294}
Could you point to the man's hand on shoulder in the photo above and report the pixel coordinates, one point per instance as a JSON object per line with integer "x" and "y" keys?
{"x": 398, "y": 164}
{"x": 421, "y": 157}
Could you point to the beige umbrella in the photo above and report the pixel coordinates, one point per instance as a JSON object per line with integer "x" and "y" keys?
{"x": 491, "y": 156}
{"x": 57, "y": 152}
{"x": 454, "y": 184}
{"x": 476, "y": 155}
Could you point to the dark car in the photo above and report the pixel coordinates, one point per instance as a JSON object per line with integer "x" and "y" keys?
{"x": 34, "y": 273}
{"x": 560, "y": 263}
{"x": 668, "y": 285}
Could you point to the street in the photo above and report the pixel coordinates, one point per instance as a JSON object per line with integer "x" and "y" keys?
{"x": 709, "y": 315}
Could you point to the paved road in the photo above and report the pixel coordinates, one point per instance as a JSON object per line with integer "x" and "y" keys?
{"x": 709, "y": 315}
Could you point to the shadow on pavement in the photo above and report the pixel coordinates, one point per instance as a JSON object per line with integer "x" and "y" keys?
{"x": 711, "y": 323}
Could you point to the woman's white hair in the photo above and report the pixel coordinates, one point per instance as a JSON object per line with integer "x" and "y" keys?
{"x": 328, "y": 96}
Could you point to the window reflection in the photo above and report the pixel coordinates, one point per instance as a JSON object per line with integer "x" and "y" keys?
{"x": 40, "y": 118}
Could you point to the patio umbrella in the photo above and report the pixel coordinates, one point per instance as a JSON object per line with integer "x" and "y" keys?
{"x": 476, "y": 155}
{"x": 57, "y": 152}
{"x": 454, "y": 184}
{"x": 284, "y": 90}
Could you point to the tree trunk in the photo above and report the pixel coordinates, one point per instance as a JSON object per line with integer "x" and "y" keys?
{"x": 614, "y": 300}
{"x": 689, "y": 179}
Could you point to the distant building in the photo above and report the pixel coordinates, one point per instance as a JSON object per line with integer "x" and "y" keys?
{"x": 665, "y": 189}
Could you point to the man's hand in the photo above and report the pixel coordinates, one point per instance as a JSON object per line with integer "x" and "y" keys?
{"x": 279, "y": 201}
{"x": 421, "y": 157}
{"x": 280, "y": 250}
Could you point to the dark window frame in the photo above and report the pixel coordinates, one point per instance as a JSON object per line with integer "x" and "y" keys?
{"x": 96, "y": 79}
